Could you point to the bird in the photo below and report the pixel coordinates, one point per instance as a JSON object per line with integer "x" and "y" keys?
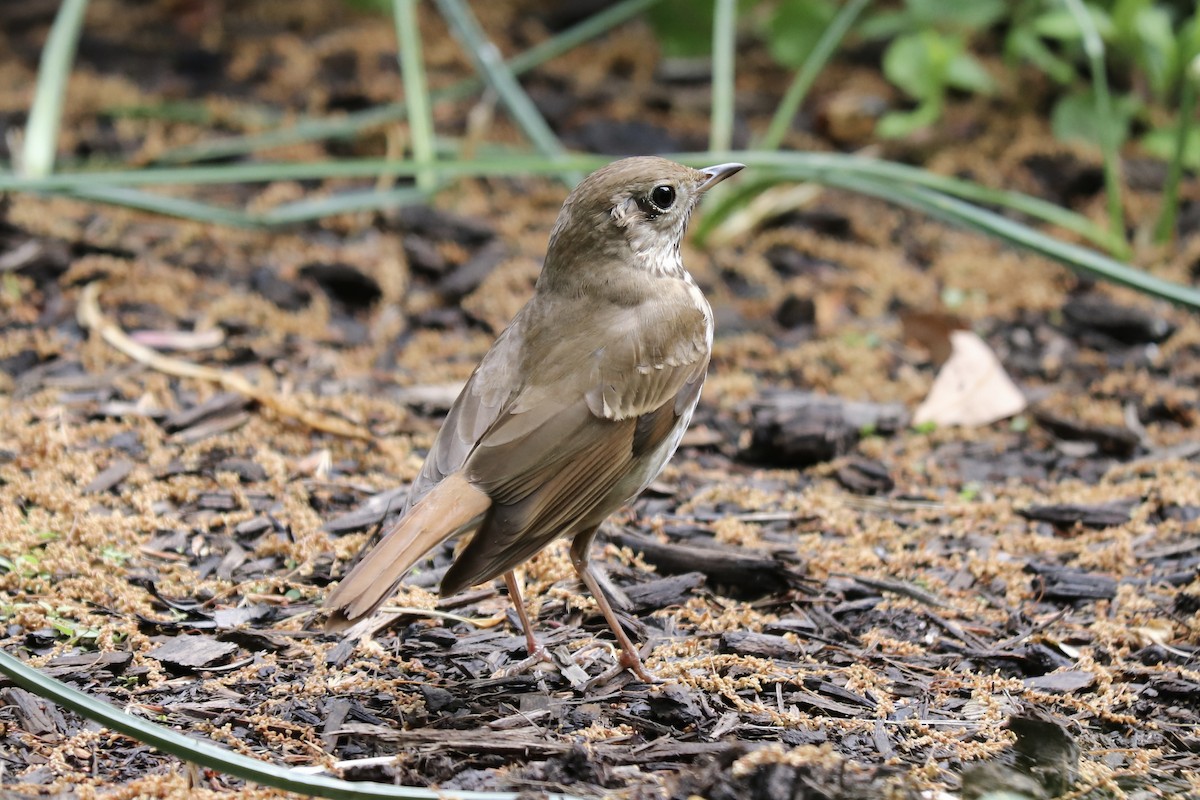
{"x": 575, "y": 408}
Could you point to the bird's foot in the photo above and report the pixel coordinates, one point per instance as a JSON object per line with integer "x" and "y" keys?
{"x": 631, "y": 661}
{"x": 537, "y": 655}
{"x": 627, "y": 661}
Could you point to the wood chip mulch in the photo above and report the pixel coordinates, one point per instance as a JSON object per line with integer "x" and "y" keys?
{"x": 840, "y": 605}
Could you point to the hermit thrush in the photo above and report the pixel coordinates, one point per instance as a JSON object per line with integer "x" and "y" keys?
{"x": 576, "y": 407}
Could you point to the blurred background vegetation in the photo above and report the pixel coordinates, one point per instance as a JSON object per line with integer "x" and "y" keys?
{"x": 1115, "y": 80}
{"x": 1120, "y": 77}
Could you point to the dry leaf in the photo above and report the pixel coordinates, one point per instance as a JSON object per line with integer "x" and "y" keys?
{"x": 972, "y": 387}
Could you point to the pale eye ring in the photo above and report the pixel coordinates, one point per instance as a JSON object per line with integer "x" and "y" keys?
{"x": 662, "y": 196}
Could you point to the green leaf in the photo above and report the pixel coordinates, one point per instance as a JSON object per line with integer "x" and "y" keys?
{"x": 970, "y": 491}
{"x": 1160, "y": 143}
{"x": 115, "y": 555}
{"x": 684, "y": 28}
{"x": 376, "y": 6}
{"x": 886, "y": 25}
{"x": 796, "y": 27}
{"x": 1022, "y": 45}
{"x": 917, "y": 63}
{"x": 1124, "y": 15}
{"x": 966, "y": 73}
{"x": 898, "y": 124}
{"x": 1157, "y": 51}
{"x": 956, "y": 15}
{"x": 1189, "y": 45}
{"x": 1075, "y": 117}
{"x": 1060, "y": 24}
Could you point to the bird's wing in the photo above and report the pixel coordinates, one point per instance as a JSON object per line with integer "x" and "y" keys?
{"x": 483, "y": 400}
{"x": 600, "y": 399}
{"x": 441, "y": 502}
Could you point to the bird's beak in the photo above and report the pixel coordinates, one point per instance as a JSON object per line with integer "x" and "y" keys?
{"x": 719, "y": 173}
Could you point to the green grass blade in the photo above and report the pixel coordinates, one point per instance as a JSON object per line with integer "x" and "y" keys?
{"x": 192, "y": 112}
{"x": 1093, "y": 47}
{"x": 207, "y": 754}
{"x": 896, "y": 182}
{"x": 1080, "y": 259}
{"x": 807, "y": 166}
{"x": 182, "y": 207}
{"x": 416, "y": 91}
{"x": 344, "y": 203}
{"x": 1015, "y": 201}
{"x": 816, "y": 166}
{"x": 491, "y": 66}
{"x": 1165, "y": 228}
{"x": 45, "y": 115}
{"x": 724, "y": 52}
{"x": 286, "y": 214}
{"x": 316, "y": 170}
{"x": 347, "y": 125}
{"x": 305, "y": 130}
{"x": 808, "y": 72}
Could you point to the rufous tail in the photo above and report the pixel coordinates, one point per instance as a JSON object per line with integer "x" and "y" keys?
{"x": 449, "y": 507}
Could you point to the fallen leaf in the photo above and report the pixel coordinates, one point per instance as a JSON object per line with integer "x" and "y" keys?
{"x": 972, "y": 387}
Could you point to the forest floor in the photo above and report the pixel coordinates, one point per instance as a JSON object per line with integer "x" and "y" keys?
{"x": 841, "y": 604}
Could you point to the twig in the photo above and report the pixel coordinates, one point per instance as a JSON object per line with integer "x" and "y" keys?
{"x": 92, "y": 318}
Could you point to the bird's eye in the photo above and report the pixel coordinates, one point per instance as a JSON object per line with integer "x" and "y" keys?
{"x": 662, "y": 197}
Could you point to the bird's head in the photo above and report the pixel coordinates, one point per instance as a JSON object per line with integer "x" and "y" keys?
{"x": 631, "y": 213}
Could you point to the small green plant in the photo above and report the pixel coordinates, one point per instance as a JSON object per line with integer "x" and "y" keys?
{"x": 10, "y": 285}
{"x": 24, "y": 564}
{"x": 115, "y": 555}
{"x": 1149, "y": 44}
{"x": 929, "y": 55}
{"x": 683, "y": 28}
{"x": 74, "y": 631}
{"x": 794, "y": 28}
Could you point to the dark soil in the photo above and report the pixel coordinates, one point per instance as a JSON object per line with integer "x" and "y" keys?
{"x": 840, "y": 605}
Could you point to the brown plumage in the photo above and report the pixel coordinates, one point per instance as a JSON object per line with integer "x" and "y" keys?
{"x": 575, "y": 408}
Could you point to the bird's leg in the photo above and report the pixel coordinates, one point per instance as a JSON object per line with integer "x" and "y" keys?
{"x": 536, "y": 651}
{"x": 581, "y": 547}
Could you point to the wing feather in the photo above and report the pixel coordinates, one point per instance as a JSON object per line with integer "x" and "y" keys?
{"x": 562, "y": 448}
